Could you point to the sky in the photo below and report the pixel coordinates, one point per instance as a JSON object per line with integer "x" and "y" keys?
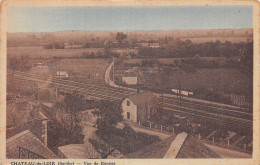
{"x": 119, "y": 18}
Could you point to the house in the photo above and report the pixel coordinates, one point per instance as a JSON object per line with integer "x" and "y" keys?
{"x": 26, "y": 115}
{"x": 39, "y": 64}
{"x": 144, "y": 45}
{"x": 39, "y": 126}
{"x": 139, "y": 107}
{"x": 62, "y": 74}
{"x": 154, "y": 45}
{"x": 74, "y": 46}
{"x": 26, "y": 145}
{"x": 129, "y": 80}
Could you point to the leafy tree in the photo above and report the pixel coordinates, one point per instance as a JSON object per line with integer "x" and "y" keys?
{"x": 92, "y": 55}
{"x": 85, "y": 55}
{"x": 86, "y": 45}
{"x": 14, "y": 63}
{"x": 72, "y": 105}
{"x": 58, "y": 46}
{"x": 120, "y": 37}
{"x": 109, "y": 113}
{"x": 21, "y": 63}
{"x": 99, "y": 54}
{"x": 48, "y": 46}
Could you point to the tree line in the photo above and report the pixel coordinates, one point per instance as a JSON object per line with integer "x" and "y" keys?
{"x": 187, "y": 48}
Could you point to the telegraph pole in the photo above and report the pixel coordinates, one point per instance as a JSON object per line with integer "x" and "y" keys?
{"x": 161, "y": 86}
{"x": 113, "y": 69}
{"x": 179, "y": 83}
{"x": 59, "y": 71}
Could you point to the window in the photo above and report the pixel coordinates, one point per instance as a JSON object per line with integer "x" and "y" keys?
{"x": 128, "y": 103}
{"x": 151, "y": 110}
{"x": 128, "y": 115}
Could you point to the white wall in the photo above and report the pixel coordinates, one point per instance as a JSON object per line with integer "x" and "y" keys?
{"x": 129, "y": 80}
{"x": 132, "y": 109}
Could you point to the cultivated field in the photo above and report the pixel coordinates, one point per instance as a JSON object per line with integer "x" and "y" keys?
{"x": 165, "y": 60}
{"x": 221, "y": 39}
{"x": 222, "y": 79}
{"x": 228, "y": 80}
{"x": 83, "y": 70}
{"x": 40, "y": 52}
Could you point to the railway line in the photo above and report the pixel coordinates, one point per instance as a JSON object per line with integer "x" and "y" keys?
{"x": 119, "y": 93}
{"x": 205, "y": 104}
{"x": 223, "y": 115}
{"x": 94, "y": 92}
{"x": 216, "y": 110}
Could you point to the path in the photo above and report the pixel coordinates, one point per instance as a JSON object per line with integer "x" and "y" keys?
{"x": 112, "y": 83}
{"x": 89, "y": 133}
{"x": 161, "y": 135}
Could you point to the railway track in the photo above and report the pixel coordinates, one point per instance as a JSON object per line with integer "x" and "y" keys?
{"x": 120, "y": 93}
{"x": 220, "y": 111}
{"x": 225, "y": 115}
{"x": 83, "y": 89}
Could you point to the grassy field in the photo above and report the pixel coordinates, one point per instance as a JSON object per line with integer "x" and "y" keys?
{"x": 40, "y": 52}
{"x": 213, "y": 39}
{"x": 83, "y": 69}
{"x": 222, "y": 79}
{"x": 228, "y": 80}
{"x": 164, "y": 60}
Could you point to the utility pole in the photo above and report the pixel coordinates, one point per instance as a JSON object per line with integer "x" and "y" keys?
{"x": 161, "y": 77}
{"x": 222, "y": 93}
{"x": 113, "y": 69}
{"x": 138, "y": 85}
{"x": 179, "y": 83}
{"x": 59, "y": 71}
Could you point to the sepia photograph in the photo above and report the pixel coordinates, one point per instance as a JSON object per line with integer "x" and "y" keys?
{"x": 129, "y": 82}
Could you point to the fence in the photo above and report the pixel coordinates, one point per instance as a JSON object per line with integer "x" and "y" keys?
{"x": 27, "y": 154}
{"x": 151, "y": 125}
{"x": 226, "y": 144}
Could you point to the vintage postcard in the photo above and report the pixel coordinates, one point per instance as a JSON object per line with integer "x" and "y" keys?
{"x": 129, "y": 82}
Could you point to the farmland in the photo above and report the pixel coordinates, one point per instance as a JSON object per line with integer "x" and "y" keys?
{"x": 80, "y": 70}
{"x": 84, "y": 70}
{"x": 40, "y": 52}
{"x": 219, "y": 79}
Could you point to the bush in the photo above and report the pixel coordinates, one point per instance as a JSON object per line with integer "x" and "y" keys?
{"x": 188, "y": 68}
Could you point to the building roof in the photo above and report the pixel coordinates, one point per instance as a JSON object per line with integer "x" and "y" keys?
{"x": 176, "y": 146}
{"x": 191, "y": 148}
{"x": 74, "y": 151}
{"x": 62, "y": 72}
{"x": 154, "y": 45}
{"x": 194, "y": 148}
{"x": 143, "y": 98}
{"x": 144, "y": 44}
{"x": 30, "y": 142}
{"x": 78, "y": 151}
{"x": 156, "y": 150}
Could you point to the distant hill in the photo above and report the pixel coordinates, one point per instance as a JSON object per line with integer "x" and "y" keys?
{"x": 37, "y": 39}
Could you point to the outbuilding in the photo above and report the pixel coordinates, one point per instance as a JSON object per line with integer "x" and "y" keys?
{"x": 139, "y": 107}
{"x": 129, "y": 80}
{"x": 62, "y": 74}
